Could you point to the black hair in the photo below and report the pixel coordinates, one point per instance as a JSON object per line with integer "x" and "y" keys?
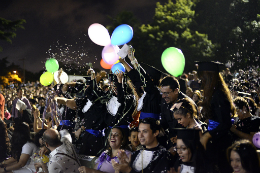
{"x": 170, "y": 81}
{"x": 20, "y": 137}
{"x": 252, "y": 105}
{"x": 240, "y": 102}
{"x": 186, "y": 107}
{"x": 248, "y": 155}
{"x": 133, "y": 129}
{"x": 198, "y": 155}
{"x": 154, "y": 124}
{"x": 37, "y": 136}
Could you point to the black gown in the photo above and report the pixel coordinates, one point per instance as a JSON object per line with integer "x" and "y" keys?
{"x": 93, "y": 120}
{"x": 155, "y": 160}
{"x": 248, "y": 125}
{"x": 221, "y": 135}
{"x": 152, "y": 99}
{"x": 123, "y": 117}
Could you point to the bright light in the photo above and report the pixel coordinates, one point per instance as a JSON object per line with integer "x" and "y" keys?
{"x": 14, "y": 71}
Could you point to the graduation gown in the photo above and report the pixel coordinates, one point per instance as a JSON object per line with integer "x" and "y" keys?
{"x": 221, "y": 135}
{"x": 93, "y": 120}
{"x": 156, "y": 159}
{"x": 152, "y": 99}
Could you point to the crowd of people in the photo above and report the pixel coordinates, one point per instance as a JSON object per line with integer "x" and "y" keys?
{"x": 140, "y": 121}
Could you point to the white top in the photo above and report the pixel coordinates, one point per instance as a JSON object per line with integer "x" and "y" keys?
{"x": 65, "y": 162}
{"x": 28, "y": 148}
{"x": 187, "y": 169}
{"x": 143, "y": 160}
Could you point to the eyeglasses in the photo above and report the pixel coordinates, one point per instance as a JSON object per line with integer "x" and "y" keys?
{"x": 165, "y": 93}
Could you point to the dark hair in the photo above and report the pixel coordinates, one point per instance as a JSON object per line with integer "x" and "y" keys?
{"x": 124, "y": 140}
{"x": 240, "y": 102}
{"x": 210, "y": 82}
{"x": 252, "y": 105}
{"x": 186, "y": 107}
{"x": 154, "y": 124}
{"x": 198, "y": 154}
{"x": 133, "y": 129}
{"x": 20, "y": 137}
{"x": 4, "y": 141}
{"x": 18, "y": 89}
{"x": 37, "y": 136}
{"x": 170, "y": 81}
{"x": 52, "y": 141}
{"x": 248, "y": 155}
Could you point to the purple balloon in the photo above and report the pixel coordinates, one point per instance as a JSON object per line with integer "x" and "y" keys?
{"x": 256, "y": 140}
{"x": 109, "y": 54}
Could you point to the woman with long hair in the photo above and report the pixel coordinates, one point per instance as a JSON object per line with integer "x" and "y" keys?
{"x": 117, "y": 140}
{"x": 22, "y": 148}
{"x": 191, "y": 152}
{"x": 217, "y": 109}
{"x": 243, "y": 157}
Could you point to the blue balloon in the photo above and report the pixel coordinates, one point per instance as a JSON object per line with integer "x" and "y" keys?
{"x": 122, "y": 35}
{"x": 118, "y": 67}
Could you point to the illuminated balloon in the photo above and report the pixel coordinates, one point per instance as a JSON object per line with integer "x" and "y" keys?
{"x": 173, "y": 61}
{"x": 122, "y": 35}
{"x": 118, "y": 67}
{"x": 52, "y": 65}
{"x": 63, "y": 78}
{"x": 256, "y": 140}
{"x": 99, "y": 34}
{"x": 109, "y": 54}
{"x": 46, "y": 78}
{"x": 105, "y": 65}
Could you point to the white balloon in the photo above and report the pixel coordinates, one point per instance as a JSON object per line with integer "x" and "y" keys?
{"x": 99, "y": 34}
{"x": 63, "y": 77}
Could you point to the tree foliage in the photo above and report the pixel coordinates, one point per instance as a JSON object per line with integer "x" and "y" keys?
{"x": 234, "y": 25}
{"x": 172, "y": 27}
{"x": 8, "y": 29}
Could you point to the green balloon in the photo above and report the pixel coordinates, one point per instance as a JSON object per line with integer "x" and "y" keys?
{"x": 173, "y": 61}
{"x": 46, "y": 78}
{"x": 52, "y": 65}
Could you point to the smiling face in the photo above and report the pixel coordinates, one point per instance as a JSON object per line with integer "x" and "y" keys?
{"x": 183, "y": 151}
{"x": 168, "y": 94}
{"x": 146, "y": 136}
{"x": 183, "y": 120}
{"x": 115, "y": 138}
{"x": 134, "y": 139}
{"x": 236, "y": 163}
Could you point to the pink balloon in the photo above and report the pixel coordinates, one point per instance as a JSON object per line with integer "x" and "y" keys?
{"x": 99, "y": 34}
{"x": 109, "y": 54}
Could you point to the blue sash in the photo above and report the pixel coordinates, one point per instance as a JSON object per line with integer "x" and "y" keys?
{"x": 96, "y": 133}
{"x": 144, "y": 115}
{"x": 212, "y": 125}
{"x": 65, "y": 122}
{"x": 122, "y": 126}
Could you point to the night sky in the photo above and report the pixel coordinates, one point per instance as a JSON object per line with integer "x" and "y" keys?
{"x": 58, "y": 28}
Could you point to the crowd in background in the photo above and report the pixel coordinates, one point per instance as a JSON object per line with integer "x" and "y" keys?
{"x": 86, "y": 115}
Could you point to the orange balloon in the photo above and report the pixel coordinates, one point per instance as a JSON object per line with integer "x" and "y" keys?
{"x": 105, "y": 65}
